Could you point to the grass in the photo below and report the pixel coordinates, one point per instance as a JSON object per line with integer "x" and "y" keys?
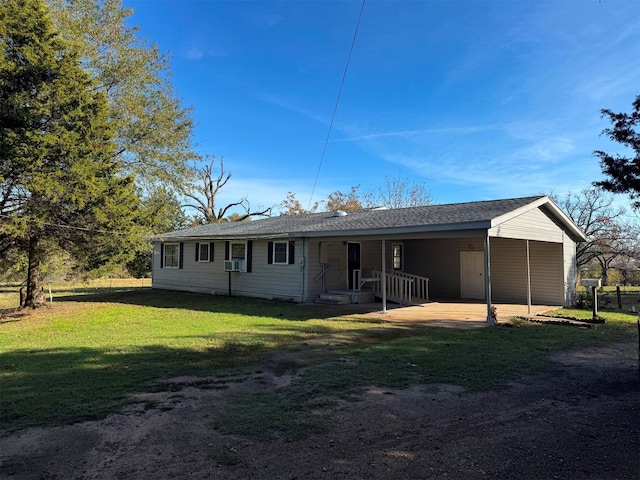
{"x": 84, "y": 356}
{"x": 475, "y": 359}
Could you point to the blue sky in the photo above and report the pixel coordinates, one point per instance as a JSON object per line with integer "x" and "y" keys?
{"x": 477, "y": 99}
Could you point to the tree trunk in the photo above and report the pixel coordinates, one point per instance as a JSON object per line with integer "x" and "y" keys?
{"x": 34, "y": 296}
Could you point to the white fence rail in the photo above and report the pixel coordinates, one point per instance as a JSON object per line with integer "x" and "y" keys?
{"x": 403, "y": 287}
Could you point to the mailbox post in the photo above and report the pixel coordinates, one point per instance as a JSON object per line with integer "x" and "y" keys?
{"x": 594, "y": 283}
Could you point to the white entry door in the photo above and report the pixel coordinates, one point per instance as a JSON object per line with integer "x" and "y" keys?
{"x": 472, "y": 275}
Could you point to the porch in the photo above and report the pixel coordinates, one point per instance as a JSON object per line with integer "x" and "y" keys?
{"x": 454, "y": 313}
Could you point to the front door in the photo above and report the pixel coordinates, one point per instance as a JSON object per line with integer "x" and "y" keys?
{"x": 353, "y": 261}
{"x": 472, "y": 275}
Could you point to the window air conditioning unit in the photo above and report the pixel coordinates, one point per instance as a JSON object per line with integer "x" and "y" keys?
{"x": 234, "y": 266}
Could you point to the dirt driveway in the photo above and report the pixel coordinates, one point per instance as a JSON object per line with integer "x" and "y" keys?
{"x": 577, "y": 419}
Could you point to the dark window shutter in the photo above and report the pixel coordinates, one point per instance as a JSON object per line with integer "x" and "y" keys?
{"x": 226, "y": 250}
{"x": 197, "y": 252}
{"x": 180, "y": 265}
{"x": 292, "y": 253}
{"x": 162, "y": 255}
{"x": 249, "y": 254}
{"x": 211, "y": 251}
{"x": 270, "y": 253}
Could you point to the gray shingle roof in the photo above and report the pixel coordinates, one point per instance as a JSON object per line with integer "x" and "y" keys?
{"x": 367, "y": 221}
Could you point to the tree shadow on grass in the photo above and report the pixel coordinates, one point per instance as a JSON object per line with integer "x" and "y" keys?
{"x": 65, "y": 385}
{"x": 210, "y": 303}
{"x": 48, "y": 387}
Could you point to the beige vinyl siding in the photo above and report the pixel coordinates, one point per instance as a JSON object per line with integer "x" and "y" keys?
{"x": 264, "y": 281}
{"x": 508, "y": 270}
{"x": 334, "y": 253}
{"x": 371, "y": 256}
{"x": 533, "y": 225}
{"x": 439, "y": 260}
{"x": 547, "y": 273}
{"x": 570, "y": 271}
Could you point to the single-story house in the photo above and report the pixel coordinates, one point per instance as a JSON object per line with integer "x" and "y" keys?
{"x": 518, "y": 250}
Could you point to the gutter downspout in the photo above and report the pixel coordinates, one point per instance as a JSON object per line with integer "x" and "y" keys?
{"x": 487, "y": 279}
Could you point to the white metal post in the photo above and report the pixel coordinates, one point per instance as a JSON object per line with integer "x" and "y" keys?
{"x": 528, "y": 281}
{"x": 383, "y": 280}
{"x": 487, "y": 278}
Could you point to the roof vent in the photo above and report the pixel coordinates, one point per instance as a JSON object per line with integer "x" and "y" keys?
{"x": 339, "y": 213}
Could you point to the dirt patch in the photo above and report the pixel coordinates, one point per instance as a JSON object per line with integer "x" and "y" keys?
{"x": 577, "y": 419}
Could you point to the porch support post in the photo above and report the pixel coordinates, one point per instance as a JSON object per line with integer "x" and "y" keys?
{"x": 487, "y": 278}
{"x": 528, "y": 280}
{"x": 383, "y": 280}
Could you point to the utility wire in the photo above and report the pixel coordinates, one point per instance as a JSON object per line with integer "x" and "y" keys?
{"x": 335, "y": 108}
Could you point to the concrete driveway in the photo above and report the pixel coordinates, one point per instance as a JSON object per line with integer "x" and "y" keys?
{"x": 448, "y": 313}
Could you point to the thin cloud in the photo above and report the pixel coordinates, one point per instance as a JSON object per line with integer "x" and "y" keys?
{"x": 421, "y": 132}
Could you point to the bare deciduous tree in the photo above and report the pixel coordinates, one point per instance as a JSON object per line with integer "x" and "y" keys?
{"x": 609, "y": 235}
{"x": 202, "y": 191}
{"x": 399, "y": 192}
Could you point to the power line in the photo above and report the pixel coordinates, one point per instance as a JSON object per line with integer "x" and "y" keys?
{"x": 335, "y": 108}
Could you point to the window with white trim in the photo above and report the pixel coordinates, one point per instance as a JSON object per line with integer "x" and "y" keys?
{"x": 237, "y": 251}
{"x": 171, "y": 255}
{"x": 280, "y": 253}
{"x": 397, "y": 256}
{"x": 203, "y": 252}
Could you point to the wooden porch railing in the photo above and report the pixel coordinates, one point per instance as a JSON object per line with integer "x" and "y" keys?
{"x": 403, "y": 287}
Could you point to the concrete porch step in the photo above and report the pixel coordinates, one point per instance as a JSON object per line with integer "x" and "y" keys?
{"x": 334, "y": 299}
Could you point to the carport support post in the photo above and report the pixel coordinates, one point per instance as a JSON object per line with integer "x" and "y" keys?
{"x": 528, "y": 280}
{"x": 383, "y": 280}
{"x": 487, "y": 279}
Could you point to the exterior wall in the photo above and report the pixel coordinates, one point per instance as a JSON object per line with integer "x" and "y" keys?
{"x": 508, "y": 270}
{"x": 570, "y": 271}
{"x": 439, "y": 260}
{"x": 201, "y": 277}
{"x": 329, "y": 252}
{"x": 533, "y": 225}
{"x": 547, "y": 273}
{"x": 333, "y": 252}
{"x": 264, "y": 281}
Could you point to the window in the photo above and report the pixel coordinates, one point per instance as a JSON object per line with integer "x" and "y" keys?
{"x": 238, "y": 251}
{"x": 397, "y": 256}
{"x": 171, "y": 255}
{"x": 202, "y": 252}
{"x": 280, "y": 253}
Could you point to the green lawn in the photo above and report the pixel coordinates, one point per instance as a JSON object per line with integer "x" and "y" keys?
{"x": 84, "y": 356}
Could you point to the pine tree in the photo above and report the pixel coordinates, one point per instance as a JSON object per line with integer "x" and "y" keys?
{"x": 61, "y": 181}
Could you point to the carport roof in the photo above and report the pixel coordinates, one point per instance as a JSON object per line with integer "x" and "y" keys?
{"x": 454, "y": 216}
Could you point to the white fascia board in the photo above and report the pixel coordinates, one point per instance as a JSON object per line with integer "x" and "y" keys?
{"x": 191, "y": 238}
